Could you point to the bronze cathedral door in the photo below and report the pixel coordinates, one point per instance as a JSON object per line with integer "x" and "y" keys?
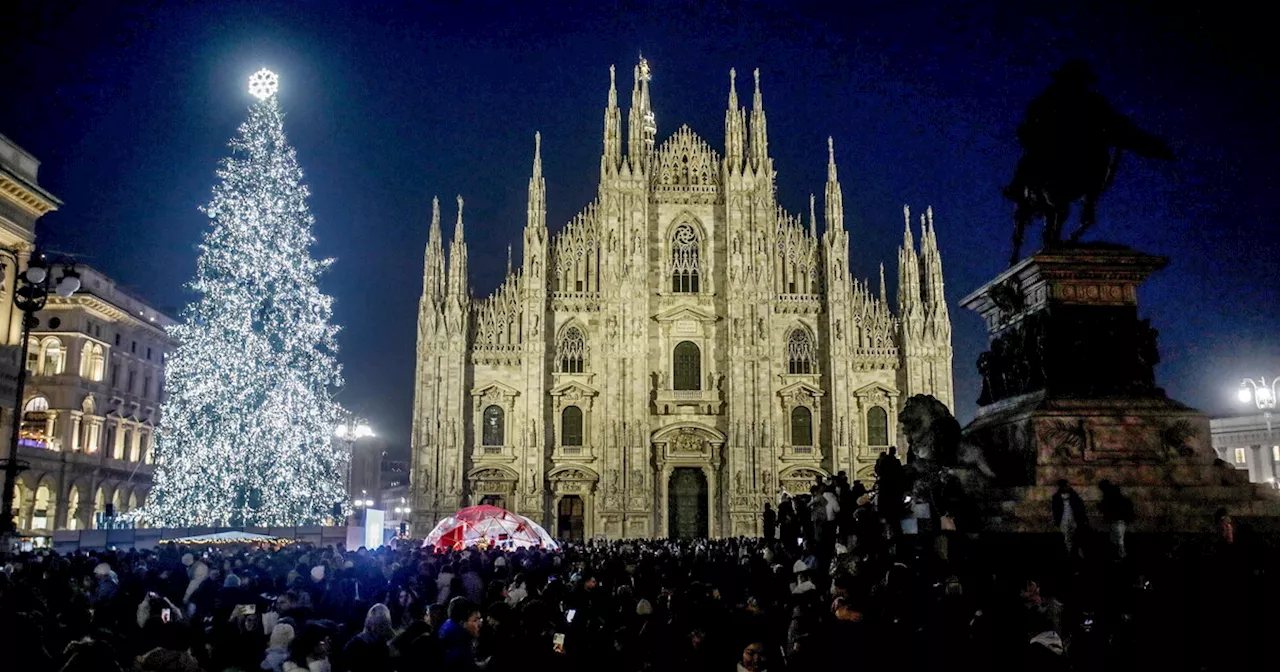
{"x": 687, "y": 503}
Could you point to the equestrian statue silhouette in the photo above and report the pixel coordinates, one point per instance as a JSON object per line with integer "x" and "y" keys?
{"x": 1072, "y": 141}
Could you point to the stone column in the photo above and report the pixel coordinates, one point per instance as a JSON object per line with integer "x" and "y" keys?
{"x": 73, "y": 437}
{"x": 27, "y": 511}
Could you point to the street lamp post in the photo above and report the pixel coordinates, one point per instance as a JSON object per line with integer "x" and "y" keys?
{"x": 1262, "y": 394}
{"x": 33, "y": 286}
{"x": 402, "y": 512}
{"x": 349, "y": 431}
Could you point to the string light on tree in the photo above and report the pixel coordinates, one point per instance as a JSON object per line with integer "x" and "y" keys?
{"x": 263, "y": 84}
{"x": 250, "y": 414}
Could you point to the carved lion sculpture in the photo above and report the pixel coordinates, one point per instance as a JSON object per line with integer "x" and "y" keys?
{"x": 933, "y": 437}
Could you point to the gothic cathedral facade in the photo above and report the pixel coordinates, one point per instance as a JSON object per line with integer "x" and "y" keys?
{"x": 679, "y": 353}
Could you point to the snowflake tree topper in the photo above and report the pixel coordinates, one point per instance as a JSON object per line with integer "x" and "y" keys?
{"x": 263, "y": 83}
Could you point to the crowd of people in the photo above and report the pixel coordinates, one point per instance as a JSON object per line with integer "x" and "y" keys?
{"x": 830, "y": 585}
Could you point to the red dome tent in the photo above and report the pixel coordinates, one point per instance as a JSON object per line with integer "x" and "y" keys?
{"x": 490, "y": 526}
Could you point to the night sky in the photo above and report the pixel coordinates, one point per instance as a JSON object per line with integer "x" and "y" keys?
{"x": 130, "y": 107}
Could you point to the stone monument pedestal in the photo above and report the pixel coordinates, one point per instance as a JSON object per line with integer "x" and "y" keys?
{"x": 1069, "y": 392}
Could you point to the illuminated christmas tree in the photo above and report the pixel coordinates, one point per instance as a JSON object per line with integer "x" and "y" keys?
{"x": 247, "y": 425}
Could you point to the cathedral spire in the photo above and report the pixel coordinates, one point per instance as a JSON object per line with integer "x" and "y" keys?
{"x": 735, "y": 127}
{"x": 641, "y": 124}
{"x": 884, "y": 294}
{"x": 537, "y": 188}
{"x": 458, "y": 259}
{"x": 508, "y": 261}
{"x": 908, "y": 271}
{"x": 835, "y": 199}
{"x": 759, "y": 127}
{"x": 612, "y": 157}
{"x": 813, "y": 219}
{"x": 931, "y": 261}
{"x": 433, "y": 275}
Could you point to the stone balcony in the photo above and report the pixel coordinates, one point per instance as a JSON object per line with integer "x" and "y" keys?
{"x": 688, "y": 402}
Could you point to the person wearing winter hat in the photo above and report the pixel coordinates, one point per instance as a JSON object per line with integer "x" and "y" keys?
{"x": 278, "y": 648}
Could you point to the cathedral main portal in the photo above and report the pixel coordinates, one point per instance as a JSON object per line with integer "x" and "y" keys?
{"x": 687, "y": 503}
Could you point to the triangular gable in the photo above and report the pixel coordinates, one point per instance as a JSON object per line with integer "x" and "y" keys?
{"x": 801, "y": 387}
{"x": 872, "y": 388}
{"x": 500, "y": 388}
{"x": 570, "y": 386}
{"x": 685, "y": 313}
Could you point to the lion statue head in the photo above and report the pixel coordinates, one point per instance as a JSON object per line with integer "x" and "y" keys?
{"x": 933, "y": 434}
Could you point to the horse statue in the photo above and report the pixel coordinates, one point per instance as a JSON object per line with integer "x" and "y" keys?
{"x": 1073, "y": 140}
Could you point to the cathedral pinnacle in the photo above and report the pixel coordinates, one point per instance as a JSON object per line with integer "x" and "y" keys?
{"x": 835, "y": 199}
{"x": 813, "y": 218}
{"x": 612, "y": 128}
{"x": 537, "y": 188}
{"x": 458, "y": 258}
{"x": 735, "y": 128}
{"x": 433, "y": 275}
{"x": 831, "y": 159}
{"x": 759, "y": 127}
{"x": 613, "y": 87}
{"x": 537, "y": 155}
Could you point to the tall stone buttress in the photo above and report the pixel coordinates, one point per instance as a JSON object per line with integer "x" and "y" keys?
{"x": 682, "y": 351}
{"x": 439, "y": 427}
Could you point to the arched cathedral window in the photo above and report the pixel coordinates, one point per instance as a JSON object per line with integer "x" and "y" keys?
{"x": 801, "y": 426}
{"x": 686, "y": 367}
{"x": 684, "y": 260}
{"x": 800, "y": 354}
{"x": 571, "y": 351}
{"x": 571, "y": 426}
{"x": 494, "y": 426}
{"x": 877, "y": 427}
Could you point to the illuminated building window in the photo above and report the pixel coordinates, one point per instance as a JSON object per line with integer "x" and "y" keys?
{"x": 1240, "y": 456}
{"x": 37, "y": 423}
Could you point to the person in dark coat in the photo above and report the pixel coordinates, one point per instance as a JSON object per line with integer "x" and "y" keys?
{"x": 770, "y": 522}
{"x": 459, "y": 634}
{"x": 368, "y": 651}
{"x": 789, "y": 522}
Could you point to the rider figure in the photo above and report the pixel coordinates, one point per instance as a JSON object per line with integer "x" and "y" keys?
{"x": 1067, "y": 136}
